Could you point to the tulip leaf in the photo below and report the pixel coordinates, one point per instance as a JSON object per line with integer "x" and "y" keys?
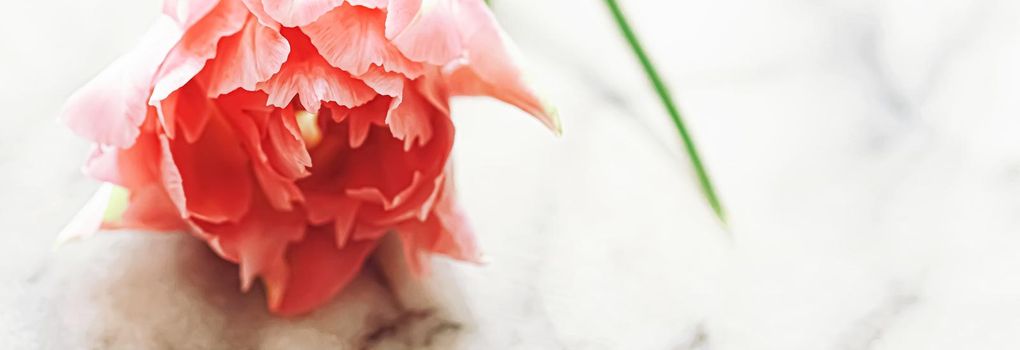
{"x": 667, "y": 101}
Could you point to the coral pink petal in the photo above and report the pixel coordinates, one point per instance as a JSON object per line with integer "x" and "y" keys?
{"x": 376, "y": 196}
{"x": 315, "y": 82}
{"x": 166, "y": 114}
{"x": 187, "y": 12}
{"x": 296, "y": 13}
{"x": 149, "y": 208}
{"x": 350, "y": 38}
{"x": 445, "y": 232}
{"x": 138, "y": 170}
{"x": 362, "y": 119}
{"x": 400, "y": 176}
{"x": 102, "y": 165}
{"x": 412, "y": 203}
{"x": 417, "y": 194}
{"x": 317, "y": 272}
{"x": 335, "y": 207}
{"x": 418, "y": 239}
{"x": 261, "y": 239}
{"x": 130, "y": 168}
{"x": 457, "y": 238}
{"x": 196, "y": 47}
{"x": 110, "y": 108}
{"x": 383, "y": 82}
{"x": 432, "y": 87}
{"x": 399, "y": 14}
{"x": 464, "y": 81}
{"x": 432, "y": 35}
{"x": 171, "y": 179}
{"x": 343, "y": 225}
{"x": 408, "y": 118}
{"x": 279, "y": 189}
{"x": 284, "y": 146}
{"x": 490, "y": 69}
{"x": 215, "y": 174}
{"x": 353, "y": 38}
{"x": 187, "y": 108}
{"x": 488, "y": 50}
{"x": 247, "y": 58}
{"x": 329, "y": 162}
{"x": 257, "y": 9}
{"x": 308, "y": 76}
{"x": 337, "y": 113}
{"x": 274, "y": 278}
{"x": 322, "y": 207}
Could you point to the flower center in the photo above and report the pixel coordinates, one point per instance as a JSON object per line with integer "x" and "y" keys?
{"x": 308, "y": 123}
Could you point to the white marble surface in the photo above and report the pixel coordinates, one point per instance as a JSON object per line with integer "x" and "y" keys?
{"x": 867, "y": 151}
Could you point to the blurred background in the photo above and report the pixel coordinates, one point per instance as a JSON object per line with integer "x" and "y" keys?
{"x": 867, "y": 152}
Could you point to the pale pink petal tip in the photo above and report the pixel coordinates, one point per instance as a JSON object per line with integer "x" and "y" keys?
{"x": 89, "y": 219}
{"x": 551, "y": 119}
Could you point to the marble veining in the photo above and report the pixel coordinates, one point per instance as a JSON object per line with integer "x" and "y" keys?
{"x": 866, "y": 151}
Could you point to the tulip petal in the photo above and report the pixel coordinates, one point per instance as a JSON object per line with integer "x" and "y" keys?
{"x": 187, "y": 12}
{"x": 285, "y": 148}
{"x": 399, "y": 14}
{"x": 215, "y": 174}
{"x": 343, "y": 224}
{"x": 103, "y": 165}
{"x": 489, "y": 68}
{"x": 325, "y": 207}
{"x": 457, "y": 238}
{"x": 309, "y": 77}
{"x": 418, "y": 238}
{"x": 111, "y": 107}
{"x": 446, "y": 232}
{"x": 196, "y": 47}
{"x": 296, "y": 13}
{"x": 150, "y": 176}
{"x": 353, "y": 38}
{"x": 259, "y": 10}
{"x": 375, "y": 195}
{"x": 149, "y": 208}
{"x": 383, "y": 82}
{"x": 247, "y": 58}
{"x": 130, "y": 168}
{"x": 171, "y": 178}
{"x": 400, "y": 184}
{"x": 362, "y": 119}
{"x": 88, "y": 220}
{"x": 465, "y": 81}
{"x": 313, "y": 83}
{"x": 250, "y": 126}
{"x": 188, "y": 108}
{"x": 264, "y": 241}
{"x": 432, "y": 34}
{"x": 408, "y": 118}
{"x": 139, "y": 170}
{"x": 317, "y": 272}
{"x": 258, "y": 241}
{"x": 281, "y": 191}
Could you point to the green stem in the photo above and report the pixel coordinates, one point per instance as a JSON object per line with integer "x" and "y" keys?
{"x": 674, "y": 112}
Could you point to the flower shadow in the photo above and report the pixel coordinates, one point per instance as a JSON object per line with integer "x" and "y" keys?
{"x": 127, "y": 290}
